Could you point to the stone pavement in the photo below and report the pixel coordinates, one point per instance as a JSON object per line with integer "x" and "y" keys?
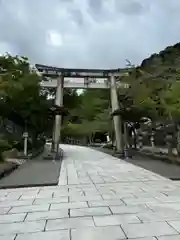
{"x": 98, "y": 197}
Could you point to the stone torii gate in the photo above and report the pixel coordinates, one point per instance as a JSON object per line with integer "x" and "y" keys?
{"x": 61, "y": 78}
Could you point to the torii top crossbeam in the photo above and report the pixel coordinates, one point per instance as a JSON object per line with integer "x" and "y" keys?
{"x": 75, "y": 72}
{"x": 83, "y": 78}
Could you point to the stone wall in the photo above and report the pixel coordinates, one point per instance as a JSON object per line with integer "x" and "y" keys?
{"x": 7, "y": 127}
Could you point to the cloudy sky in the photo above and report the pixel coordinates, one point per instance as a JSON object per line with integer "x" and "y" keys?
{"x": 88, "y": 33}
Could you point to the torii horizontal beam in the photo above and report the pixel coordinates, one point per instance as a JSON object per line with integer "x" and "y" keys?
{"x": 50, "y": 71}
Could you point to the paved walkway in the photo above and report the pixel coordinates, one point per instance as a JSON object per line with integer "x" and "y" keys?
{"x": 98, "y": 197}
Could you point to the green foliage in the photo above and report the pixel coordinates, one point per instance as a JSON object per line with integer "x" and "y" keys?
{"x": 136, "y": 101}
{"x": 89, "y": 113}
{"x": 21, "y": 98}
{"x": 171, "y": 101}
{"x": 93, "y": 111}
{"x": 155, "y": 92}
{"x": 16, "y": 76}
{"x": 161, "y": 75}
{"x": 154, "y": 86}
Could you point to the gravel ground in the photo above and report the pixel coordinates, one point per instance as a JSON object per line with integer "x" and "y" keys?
{"x": 33, "y": 173}
{"x": 165, "y": 169}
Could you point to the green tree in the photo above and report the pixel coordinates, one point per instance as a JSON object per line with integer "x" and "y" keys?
{"x": 21, "y": 98}
{"x": 94, "y": 111}
{"x": 156, "y": 88}
{"x": 90, "y": 114}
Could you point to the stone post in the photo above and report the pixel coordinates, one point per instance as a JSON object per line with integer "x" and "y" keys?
{"x": 58, "y": 118}
{"x": 117, "y": 119}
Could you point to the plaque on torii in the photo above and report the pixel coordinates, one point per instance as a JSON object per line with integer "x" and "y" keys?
{"x": 79, "y": 78}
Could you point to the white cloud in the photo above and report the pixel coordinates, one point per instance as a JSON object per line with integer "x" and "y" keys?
{"x": 88, "y": 33}
{"x": 54, "y": 38}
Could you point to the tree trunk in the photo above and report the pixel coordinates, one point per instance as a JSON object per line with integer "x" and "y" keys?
{"x": 89, "y": 139}
{"x": 170, "y": 150}
{"x": 134, "y": 138}
{"x": 178, "y": 139}
{"x": 126, "y": 140}
{"x": 169, "y": 145}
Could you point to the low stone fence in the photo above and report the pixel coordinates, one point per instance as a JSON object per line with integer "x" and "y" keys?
{"x": 160, "y": 155}
{"x": 12, "y": 153}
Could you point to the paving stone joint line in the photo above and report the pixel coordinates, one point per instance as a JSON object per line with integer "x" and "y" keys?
{"x": 102, "y": 198}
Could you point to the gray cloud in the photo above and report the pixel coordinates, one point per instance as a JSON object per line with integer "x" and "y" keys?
{"x": 88, "y": 33}
{"x": 95, "y": 5}
{"x": 133, "y": 7}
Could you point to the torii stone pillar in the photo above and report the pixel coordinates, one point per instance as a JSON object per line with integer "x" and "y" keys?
{"x": 116, "y": 119}
{"x": 58, "y": 118}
